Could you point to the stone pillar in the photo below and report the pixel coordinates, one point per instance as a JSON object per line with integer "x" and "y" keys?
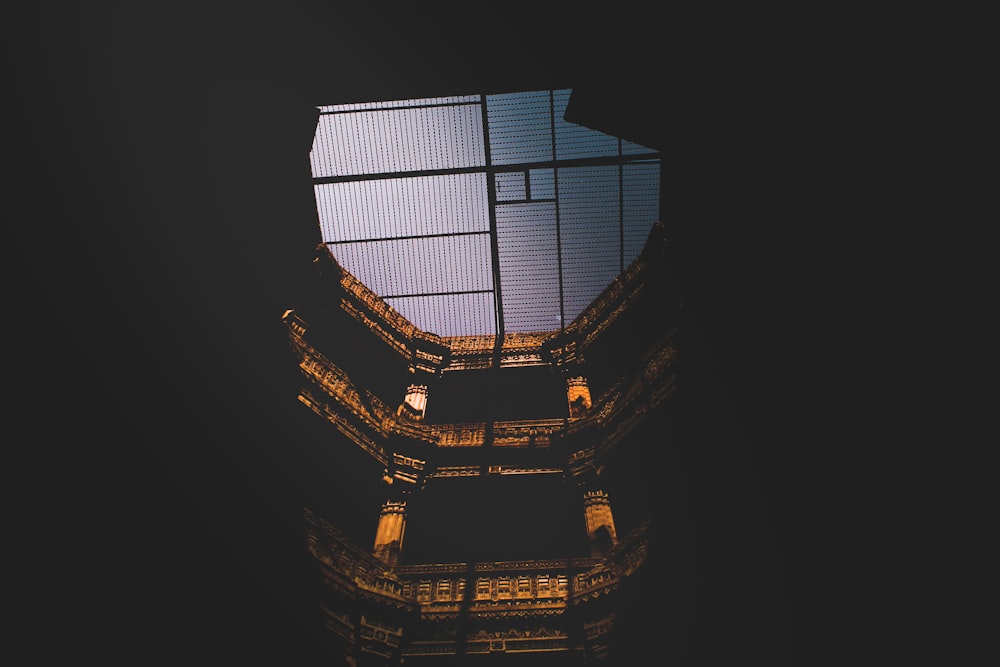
{"x": 578, "y": 395}
{"x": 415, "y": 404}
{"x": 389, "y": 535}
{"x": 600, "y": 522}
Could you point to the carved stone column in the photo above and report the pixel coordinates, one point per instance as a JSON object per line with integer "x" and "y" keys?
{"x": 578, "y": 395}
{"x": 389, "y": 535}
{"x": 414, "y": 405}
{"x": 600, "y": 522}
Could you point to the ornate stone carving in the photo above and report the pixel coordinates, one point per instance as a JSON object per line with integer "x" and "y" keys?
{"x": 457, "y": 471}
{"x": 521, "y": 470}
{"x": 462, "y": 435}
{"x": 502, "y": 589}
{"x": 578, "y": 396}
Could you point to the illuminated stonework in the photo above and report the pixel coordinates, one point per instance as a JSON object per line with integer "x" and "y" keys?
{"x": 389, "y": 536}
{"x": 380, "y": 609}
{"x": 463, "y": 608}
{"x": 600, "y": 523}
{"x": 578, "y": 396}
{"x": 414, "y": 405}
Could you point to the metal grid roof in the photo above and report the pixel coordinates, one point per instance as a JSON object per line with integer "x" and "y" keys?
{"x": 481, "y": 214}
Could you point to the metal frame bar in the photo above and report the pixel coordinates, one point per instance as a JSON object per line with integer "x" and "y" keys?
{"x": 491, "y": 193}
{"x": 405, "y": 238}
{"x": 491, "y": 169}
{"x": 456, "y": 292}
{"x": 555, "y": 185}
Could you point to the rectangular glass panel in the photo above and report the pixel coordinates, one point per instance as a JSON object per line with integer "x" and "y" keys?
{"x": 392, "y": 207}
{"x": 510, "y": 186}
{"x": 420, "y": 265}
{"x": 640, "y": 205}
{"x": 529, "y": 275}
{"x": 542, "y": 183}
{"x": 450, "y": 315}
{"x": 589, "y": 234}
{"x": 520, "y": 127}
{"x": 398, "y": 140}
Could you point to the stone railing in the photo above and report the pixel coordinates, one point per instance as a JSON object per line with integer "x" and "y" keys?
{"x": 462, "y": 435}
{"x": 531, "y": 597}
{"x": 623, "y": 559}
{"x": 517, "y": 587}
{"x": 526, "y": 432}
